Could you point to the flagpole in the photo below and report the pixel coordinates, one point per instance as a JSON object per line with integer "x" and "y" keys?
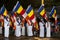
{"x": 42, "y": 2}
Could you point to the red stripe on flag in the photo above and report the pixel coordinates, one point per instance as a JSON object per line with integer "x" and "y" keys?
{"x": 22, "y": 12}
{"x": 32, "y": 17}
{"x": 44, "y": 15}
{"x": 55, "y": 14}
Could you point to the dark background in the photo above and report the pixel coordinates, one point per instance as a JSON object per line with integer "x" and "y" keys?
{"x": 9, "y": 4}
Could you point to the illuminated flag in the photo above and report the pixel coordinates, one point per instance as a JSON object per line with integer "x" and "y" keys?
{"x": 3, "y": 10}
{"x": 53, "y": 12}
{"x": 30, "y": 14}
{"x": 19, "y": 9}
{"x": 42, "y": 12}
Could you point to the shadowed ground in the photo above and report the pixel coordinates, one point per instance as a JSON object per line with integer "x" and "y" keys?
{"x": 11, "y": 37}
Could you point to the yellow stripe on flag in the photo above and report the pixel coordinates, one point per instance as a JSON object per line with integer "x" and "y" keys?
{"x": 20, "y": 9}
{"x": 30, "y": 13}
{"x": 5, "y": 12}
{"x": 54, "y": 15}
{"x": 42, "y": 12}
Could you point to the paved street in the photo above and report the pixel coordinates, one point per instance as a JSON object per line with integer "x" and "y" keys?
{"x": 26, "y": 38}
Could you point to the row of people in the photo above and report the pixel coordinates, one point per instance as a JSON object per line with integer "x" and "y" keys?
{"x": 18, "y": 24}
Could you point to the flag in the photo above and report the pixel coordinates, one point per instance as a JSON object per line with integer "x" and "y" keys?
{"x": 19, "y": 9}
{"x": 53, "y": 12}
{"x": 3, "y": 11}
{"x": 42, "y": 12}
{"x": 54, "y": 15}
{"x": 30, "y": 14}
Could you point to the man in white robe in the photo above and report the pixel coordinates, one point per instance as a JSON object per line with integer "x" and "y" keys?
{"x": 29, "y": 29}
{"x": 6, "y": 26}
{"x": 18, "y": 27}
{"x": 48, "y": 29}
{"x": 41, "y": 29}
{"x": 23, "y": 27}
{"x": 23, "y": 31}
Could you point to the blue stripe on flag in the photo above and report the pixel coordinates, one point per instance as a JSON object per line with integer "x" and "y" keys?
{"x": 52, "y": 11}
{"x": 16, "y": 6}
{"x": 2, "y": 9}
{"x": 28, "y": 10}
{"x": 41, "y": 8}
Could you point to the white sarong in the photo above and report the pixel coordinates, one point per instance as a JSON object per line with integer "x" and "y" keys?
{"x": 48, "y": 30}
{"x": 18, "y": 30}
{"x": 41, "y": 29}
{"x": 29, "y": 30}
{"x": 23, "y": 31}
{"x": 6, "y": 26}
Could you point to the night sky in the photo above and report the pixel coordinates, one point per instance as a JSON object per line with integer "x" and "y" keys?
{"x": 9, "y": 4}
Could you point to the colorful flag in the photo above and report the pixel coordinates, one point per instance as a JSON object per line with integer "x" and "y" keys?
{"x": 30, "y": 13}
{"x": 53, "y": 12}
{"x": 19, "y": 9}
{"x": 54, "y": 15}
{"x": 3, "y": 11}
{"x": 42, "y": 12}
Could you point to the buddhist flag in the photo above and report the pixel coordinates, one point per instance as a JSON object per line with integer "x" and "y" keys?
{"x": 3, "y": 10}
{"x": 19, "y": 9}
{"x": 54, "y": 15}
{"x": 53, "y": 12}
{"x": 30, "y": 13}
{"x": 42, "y": 12}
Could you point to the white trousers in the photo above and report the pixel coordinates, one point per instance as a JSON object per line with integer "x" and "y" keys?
{"x": 29, "y": 31}
{"x": 6, "y": 31}
{"x": 23, "y": 31}
{"x": 48, "y": 32}
{"x": 18, "y": 31}
{"x": 41, "y": 32}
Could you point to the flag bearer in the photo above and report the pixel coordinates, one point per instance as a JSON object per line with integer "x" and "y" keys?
{"x": 23, "y": 27}
{"x": 18, "y": 27}
{"x": 41, "y": 24}
{"x": 29, "y": 28}
{"x": 6, "y": 26}
{"x": 48, "y": 29}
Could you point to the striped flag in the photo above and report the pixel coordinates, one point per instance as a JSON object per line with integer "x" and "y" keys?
{"x": 19, "y": 9}
{"x": 54, "y": 15}
{"x": 3, "y": 11}
{"x": 30, "y": 14}
{"x": 53, "y": 12}
{"x": 42, "y": 12}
